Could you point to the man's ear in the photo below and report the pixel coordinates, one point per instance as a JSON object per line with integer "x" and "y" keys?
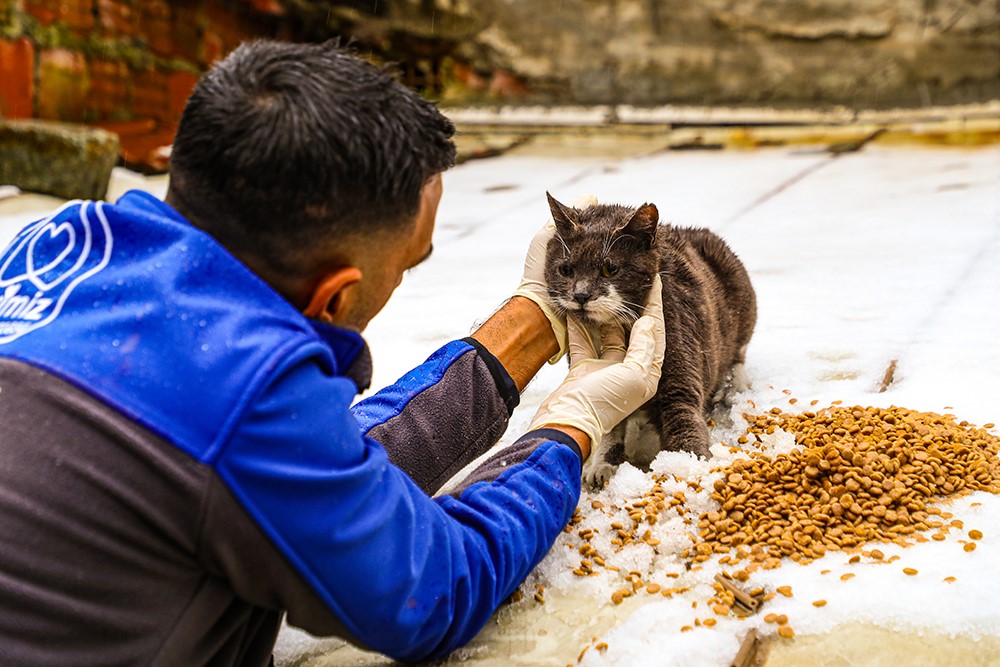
{"x": 332, "y": 294}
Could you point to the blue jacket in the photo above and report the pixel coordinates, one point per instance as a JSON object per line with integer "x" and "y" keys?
{"x": 138, "y": 358}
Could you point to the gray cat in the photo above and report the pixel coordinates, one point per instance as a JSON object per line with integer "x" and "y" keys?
{"x": 599, "y": 268}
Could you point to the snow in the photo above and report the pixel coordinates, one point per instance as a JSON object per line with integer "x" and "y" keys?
{"x": 857, "y": 260}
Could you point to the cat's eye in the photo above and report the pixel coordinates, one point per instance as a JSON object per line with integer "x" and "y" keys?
{"x": 565, "y": 270}
{"x": 609, "y": 270}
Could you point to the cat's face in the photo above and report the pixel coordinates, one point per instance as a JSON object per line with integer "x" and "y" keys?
{"x": 600, "y": 264}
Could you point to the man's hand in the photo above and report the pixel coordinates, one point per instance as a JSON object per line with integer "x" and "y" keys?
{"x": 602, "y": 389}
{"x": 533, "y": 281}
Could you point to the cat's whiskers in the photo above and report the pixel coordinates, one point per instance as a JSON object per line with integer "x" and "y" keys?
{"x": 559, "y": 238}
{"x": 610, "y": 242}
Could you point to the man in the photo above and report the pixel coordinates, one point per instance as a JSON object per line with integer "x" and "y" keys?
{"x": 181, "y": 463}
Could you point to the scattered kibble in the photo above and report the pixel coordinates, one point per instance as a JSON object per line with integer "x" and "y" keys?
{"x": 862, "y": 474}
{"x": 847, "y": 577}
{"x": 771, "y": 618}
{"x": 786, "y": 632}
{"x": 909, "y": 570}
{"x": 709, "y": 622}
{"x": 819, "y": 603}
{"x": 784, "y": 590}
{"x": 970, "y": 546}
{"x": 975, "y": 534}
{"x": 950, "y": 580}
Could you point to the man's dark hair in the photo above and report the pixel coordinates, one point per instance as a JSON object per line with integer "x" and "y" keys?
{"x": 285, "y": 145}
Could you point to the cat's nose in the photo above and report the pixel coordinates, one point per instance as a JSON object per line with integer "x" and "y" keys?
{"x": 582, "y": 298}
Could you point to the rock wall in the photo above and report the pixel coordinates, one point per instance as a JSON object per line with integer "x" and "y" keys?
{"x": 126, "y": 65}
{"x": 860, "y": 53}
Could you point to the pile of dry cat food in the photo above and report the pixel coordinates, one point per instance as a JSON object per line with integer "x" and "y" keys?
{"x": 861, "y": 474}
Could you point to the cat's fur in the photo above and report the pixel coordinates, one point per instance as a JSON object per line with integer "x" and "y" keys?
{"x": 599, "y": 267}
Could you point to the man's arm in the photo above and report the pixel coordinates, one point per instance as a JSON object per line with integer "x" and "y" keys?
{"x": 520, "y": 337}
{"x": 390, "y": 568}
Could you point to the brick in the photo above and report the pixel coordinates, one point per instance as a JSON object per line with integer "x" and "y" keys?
{"x": 110, "y": 84}
{"x": 17, "y": 78}
{"x": 78, "y": 15}
{"x": 179, "y": 87}
{"x": 149, "y": 95}
{"x": 187, "y": 32}
{"x": 45, "y": 11}
{"x": 228, "y": 26}
{"x": 270, "y": 7}
{"x": 212, "y": 47}
{"x": 63, "y": 85}
{"x": 155, "y": 27}
{"x": 117, "y": 18}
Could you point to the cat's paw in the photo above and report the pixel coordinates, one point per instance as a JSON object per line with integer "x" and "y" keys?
{"x": 598, "y": 474}
{"x": 741, "y": 379}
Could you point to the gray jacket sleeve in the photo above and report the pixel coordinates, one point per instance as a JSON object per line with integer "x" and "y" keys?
{"x": 442, "y": 415}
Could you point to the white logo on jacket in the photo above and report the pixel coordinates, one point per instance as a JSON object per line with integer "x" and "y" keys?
{"x": 45, "y": 262}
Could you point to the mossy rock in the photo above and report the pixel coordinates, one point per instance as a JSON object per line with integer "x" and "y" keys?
{"x": 60, "y": 159}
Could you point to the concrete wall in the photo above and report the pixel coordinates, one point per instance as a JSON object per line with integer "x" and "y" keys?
{"x": 860, "y": 53}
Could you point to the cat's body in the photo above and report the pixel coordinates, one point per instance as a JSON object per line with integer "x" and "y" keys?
{"x": 599, "y": 268}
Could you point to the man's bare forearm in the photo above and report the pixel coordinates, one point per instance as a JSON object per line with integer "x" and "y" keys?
{"x": 520, "y": 337}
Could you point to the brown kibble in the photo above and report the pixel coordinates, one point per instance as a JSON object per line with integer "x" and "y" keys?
{"x": 975, "y": 534}
{"x": 784, "y": 590}
{"x": 653, "y": 589}
{"x": 686, "y": 628}
{"x": 596, "y": 504}
{"x": 847, "y": 577}
{"x": 617, "y": 597}
{"x": 859, "y": 475}
{"x": 819, "y": 603}
{"x": 909, "y": 570}
{"x": 949, "y": 580}
{"x": 786, "y": 632}
{"x": 721, "y": 609}
{"x": 771, "y": 618}
{"x": 709, "y": 622}
{"x": 539, "y": 598}
{"x": 970, "y": 546}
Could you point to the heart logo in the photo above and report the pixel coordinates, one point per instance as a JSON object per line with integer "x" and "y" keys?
{"x": 49, "y": 241}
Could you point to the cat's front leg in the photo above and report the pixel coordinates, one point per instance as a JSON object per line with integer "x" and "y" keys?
{"x": 684, "y": 430}
{"x": 605, "y": 458}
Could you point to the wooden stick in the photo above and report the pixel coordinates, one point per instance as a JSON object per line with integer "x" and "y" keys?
{"x": 888, "y": 377}
{"x": 742, "y": 597}
{"x": 748, "y": 651}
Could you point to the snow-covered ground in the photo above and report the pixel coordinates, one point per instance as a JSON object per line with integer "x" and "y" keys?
{"x": 857, "y": 259}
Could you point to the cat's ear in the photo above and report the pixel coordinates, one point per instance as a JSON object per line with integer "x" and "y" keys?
{"x": 564, "y": 216}
{"x": 643, "y": 223}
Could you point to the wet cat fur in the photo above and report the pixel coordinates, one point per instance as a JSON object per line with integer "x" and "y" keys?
{"x": 599, "y": 268}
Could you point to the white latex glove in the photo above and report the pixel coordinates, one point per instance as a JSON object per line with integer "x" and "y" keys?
{"x": 601, "y": 390}
{"x": 533, "y": 280}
